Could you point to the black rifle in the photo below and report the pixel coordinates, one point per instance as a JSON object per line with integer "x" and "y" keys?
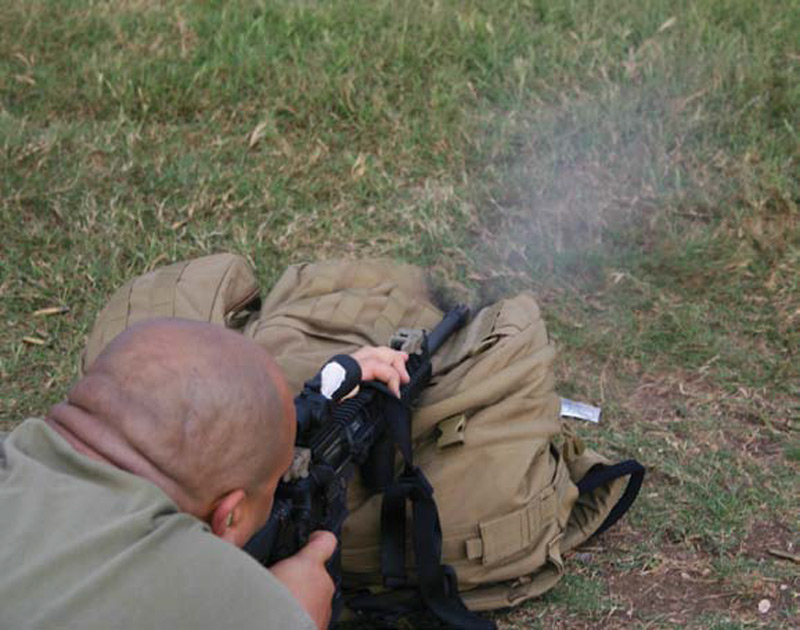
{"x": 332, "y": 439}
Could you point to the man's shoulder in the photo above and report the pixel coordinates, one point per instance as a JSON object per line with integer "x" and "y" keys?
{"x": 201, "y": 581}
{"x": 9, "y": 427}
{"x": 124, "y": 573}
{"x": 7, "y": 431}
{"x": 3, "y": 436}
{"x": 29, "y": 428}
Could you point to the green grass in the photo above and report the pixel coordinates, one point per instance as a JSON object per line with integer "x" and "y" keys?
{"x": 634, "y": 163}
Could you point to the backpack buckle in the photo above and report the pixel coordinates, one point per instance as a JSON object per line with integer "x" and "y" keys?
{"x": 413, "y": 480}
{"x": 451, "y": 431}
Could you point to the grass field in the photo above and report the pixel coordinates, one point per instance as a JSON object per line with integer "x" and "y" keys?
{"x": 636, "y": 164}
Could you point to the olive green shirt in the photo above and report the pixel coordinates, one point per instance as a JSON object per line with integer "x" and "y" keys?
{"x": 87, "y": 546}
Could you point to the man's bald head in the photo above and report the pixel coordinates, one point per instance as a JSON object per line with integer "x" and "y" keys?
{"x": 195, "y": 408}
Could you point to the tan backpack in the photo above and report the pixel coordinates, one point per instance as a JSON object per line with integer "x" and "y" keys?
{"x": 514, "y": 486}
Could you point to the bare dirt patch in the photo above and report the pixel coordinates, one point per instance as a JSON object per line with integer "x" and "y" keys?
{"x": 679, "y": 589}
{"x": 676, "y": 585}
{"x": 771, "y": 539}
{"x": 680, "y": 585}
{"x": 662, "y": 398}
{"x": 754, "y": 444}
{"x": 654, "y": 400}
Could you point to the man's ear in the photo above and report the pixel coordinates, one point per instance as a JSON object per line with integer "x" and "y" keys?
{"x": 228, "y": 516}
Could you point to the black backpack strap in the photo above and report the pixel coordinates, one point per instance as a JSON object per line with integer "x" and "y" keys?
{"x": 601, "y": 475}
{"x": 393, "y": 535}
{"x": 438, "y": 585}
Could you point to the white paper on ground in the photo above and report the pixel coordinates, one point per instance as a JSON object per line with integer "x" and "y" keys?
{"x": 581, "y": 411}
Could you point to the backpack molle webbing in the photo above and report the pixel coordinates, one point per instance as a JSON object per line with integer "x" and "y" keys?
{"x": 219, "y": 289}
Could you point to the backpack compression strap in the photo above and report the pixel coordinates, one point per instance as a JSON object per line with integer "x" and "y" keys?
{"x": 438, "y": 586}
{"x": 601, "y": 475}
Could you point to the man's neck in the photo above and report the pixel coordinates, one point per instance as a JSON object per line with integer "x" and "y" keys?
{"x": 61, "y": 417}
{"x": 91, "y": 436}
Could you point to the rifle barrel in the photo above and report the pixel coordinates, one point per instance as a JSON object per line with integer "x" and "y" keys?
{"x": 454, "y": 319}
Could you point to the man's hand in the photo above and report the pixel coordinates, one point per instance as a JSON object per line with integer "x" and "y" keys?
{"x": 305, "y": 576}
{"x": 383, "y": 364}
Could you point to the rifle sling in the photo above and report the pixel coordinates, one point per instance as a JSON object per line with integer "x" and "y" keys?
{"x": 438, "y": 585}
